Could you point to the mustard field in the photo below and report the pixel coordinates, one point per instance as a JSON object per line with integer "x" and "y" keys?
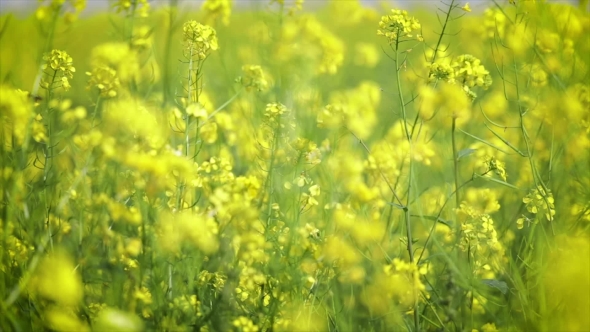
{"x": 295, "y": 166}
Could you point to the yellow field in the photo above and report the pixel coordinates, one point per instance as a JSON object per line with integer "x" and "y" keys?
{"x": 331, "y": 167}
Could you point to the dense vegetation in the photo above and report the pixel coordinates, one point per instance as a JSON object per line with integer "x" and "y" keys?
{"x": 285, "y": 168}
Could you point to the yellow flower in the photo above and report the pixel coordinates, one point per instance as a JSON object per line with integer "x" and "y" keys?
{"x": 218, "y": 8}
{"x": 398, "y": 25}
{"x": 62, "y": 69}
{"x": 466, "y": 7}
{"x": 105, "y": 79}
{"x": 57, "y": 280}
{"x": 254, "y": 78}
{"x": 199, "y": 39}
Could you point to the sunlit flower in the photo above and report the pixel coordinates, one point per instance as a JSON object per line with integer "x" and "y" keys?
{"x": 199, "y": 40}
{"x": 58, "y": 69}
{"x": 398, "y": 25}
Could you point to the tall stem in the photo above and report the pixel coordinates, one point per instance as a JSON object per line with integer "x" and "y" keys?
{"x": 407, "y": 207}
{"x": 455, "y": 163}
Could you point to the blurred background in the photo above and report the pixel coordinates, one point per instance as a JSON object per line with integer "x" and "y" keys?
{"x": 27, "y": 7}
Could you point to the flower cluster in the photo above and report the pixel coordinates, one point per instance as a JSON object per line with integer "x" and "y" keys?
{"x": 72, "y": 8}
{"x": 492, "y": 164}
{"x": 273, "y": 114}
{"x": 470, "y": 72}
{"x": 141, "y": 7}
{"x": 105, "y": 80}
{"x": 464, "y": 70}
{"x": 541, "y": 201}
{"x": 62, "y": 69}
{"x": 377, "y": 197}
{"x": 399, "y": 25}
{"x": 254, "y": 78}
{"x": 216, "y": 9}
{"x": 199, "y": 40}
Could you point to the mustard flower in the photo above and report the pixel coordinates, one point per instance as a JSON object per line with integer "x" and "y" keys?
{"x": 466, "y": 7}
{"x": 244, "y": 324}
{"x": 398, "y": 25}
{"x": 366, "y": 55}
{"x": 478, "y": 232}
{"x": 197, "y": 110}
{"x": 310, "y": 199}
{"x": 56, "y": 279}
{"x": 540, "y": 201}
{"x": 38, "y": 129}
{"x": 409, "y": 278}
{"x": 215, "y": 9}
{"x": 141, "y": 39}
{"x": 105, "y": 79}
{"x": 60, "y": 319}
{"x": 470, "y": 72}
{"x": 273, "y": 113}
{"x": 441, "y": 71}
{"x": 537, "y": 75}
{"x": 333, "y": 54}
{"x": 72, "y": 9}
{"x": 494, "y": 23}
{"x": 493, "y": 165}
{"x": 15, "y": 113}
{"x": 110, "y": 319}
{"x": 520, "y": 222}
{"x": 141, "y": 7}
{"x": 254, "y": 78}
{"x": 314, "y": 155}
{"x": 188, "y": 304}
{"x": 548, "y": 42}
{"x": 199, "y": 40}
{"x": 60, "y": 63}
{"x": 454, "y": 102}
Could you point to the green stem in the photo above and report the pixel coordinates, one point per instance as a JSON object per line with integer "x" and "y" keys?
{"x": 407, "y": 215}
{"x": 166, "y": 75}
{"x": 455, "y": 163}
{"x": 442, "y": 33}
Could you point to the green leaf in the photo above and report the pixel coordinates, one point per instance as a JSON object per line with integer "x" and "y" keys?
{"x": 396, "y": 205}
{"x": 506, "y": 142}
{"x": 498, "y": 181}
{"x": 484, "y": 141}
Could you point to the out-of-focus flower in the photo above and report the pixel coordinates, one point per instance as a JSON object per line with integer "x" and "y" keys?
{"x": 254, "y": 78}
{"x": 105, "y": 79}
{"x": 215, "y": 9}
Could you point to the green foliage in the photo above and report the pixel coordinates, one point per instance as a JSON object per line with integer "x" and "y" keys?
{"x": 339, "y": 168}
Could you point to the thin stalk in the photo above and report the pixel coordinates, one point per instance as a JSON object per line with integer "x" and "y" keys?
{"x": 455, "y": 163}
{"x": 399, "y": 90}
{"x": 442, "y": 33}
{"x": 406, "y": 207}
{"x": 269, "y": 176}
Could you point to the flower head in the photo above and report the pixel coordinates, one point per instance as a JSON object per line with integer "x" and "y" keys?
{"x": 398, "y": 25}
{"x": 470, "y": 72}
{"x": 199, "y": 39}
{"x": 141, "y": 7}
{"x": 254, "y": 78}
{"x": 218, "y": 9}
{"x": 539, "y": 200}
{"x": 105, "y": 79}
{"x": 60, "y": 63}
